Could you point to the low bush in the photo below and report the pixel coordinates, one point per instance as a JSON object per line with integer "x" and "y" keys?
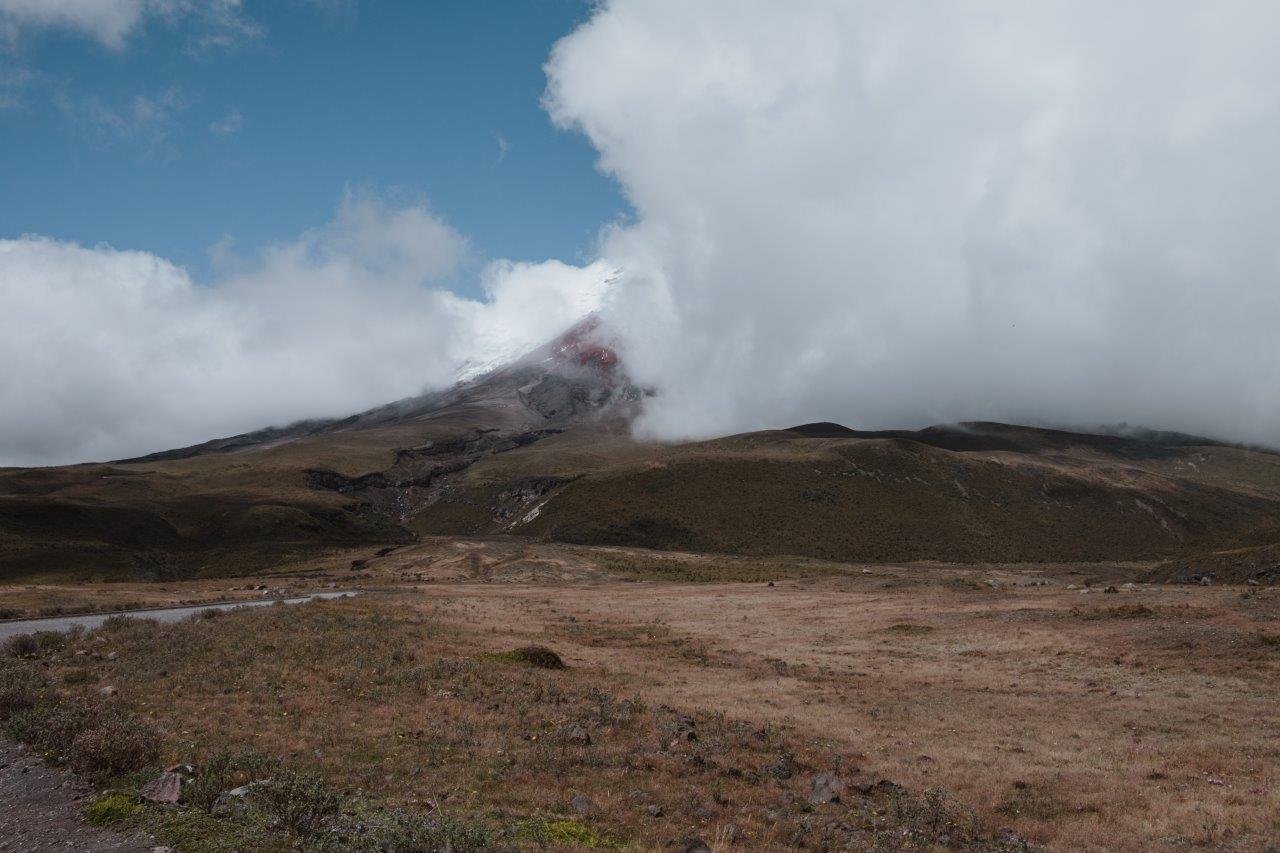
{"x": 111, "y": 809}
{"x": 50, "y": 641}
{"x": 21, "y": 687}
{"x": 53, "y": 726}
{"x": 21, "y": 646}
{"x": 297, "y": 802}
{"x": 404, "y": 832}
{"x": 222, "y": 772}
{"x": 538, "y": 656}
{"x": 117, "y": 742}
{"x": 87, "y": 735}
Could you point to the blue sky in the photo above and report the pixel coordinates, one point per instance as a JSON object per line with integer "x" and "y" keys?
{"x": 171, "y": 145}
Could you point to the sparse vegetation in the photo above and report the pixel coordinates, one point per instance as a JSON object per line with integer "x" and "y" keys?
{"x": 1122, "y": 611}
{"x": 376, "y": 722}
{"x": 296, "y": 802}
{"x": 21, "y": 646}
{"x": 113, "y": 809}
{"x": 21, "y": 687}
{"x": 536, "y": 656}
{"x": 90, "y": 736}
{"x": 712, "y": 569}
{"x": 222, "y": 772}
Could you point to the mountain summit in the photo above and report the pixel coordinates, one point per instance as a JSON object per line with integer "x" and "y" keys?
{"x": 541, "y": 448}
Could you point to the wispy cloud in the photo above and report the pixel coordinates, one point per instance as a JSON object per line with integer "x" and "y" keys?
{"x": 149, "y": 119}
{"x": 14, "y": 81}
{"x": 229, "y": 124}
{"x": 503, "y": 146}
{"x": 213, "y": 24}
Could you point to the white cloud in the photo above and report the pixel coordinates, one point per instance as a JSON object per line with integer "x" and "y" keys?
{"x": 893, "y": 214}
{"x": 113, "y": 353}
{"x": 229, "y": 124}
{"x": 108, "y": 21}
{"x": 219, "y": 23}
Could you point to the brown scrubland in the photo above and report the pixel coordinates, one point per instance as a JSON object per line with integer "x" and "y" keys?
{"x": 705, "y": 699}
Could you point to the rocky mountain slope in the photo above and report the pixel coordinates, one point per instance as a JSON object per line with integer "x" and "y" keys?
{"x": 541, "y": 448}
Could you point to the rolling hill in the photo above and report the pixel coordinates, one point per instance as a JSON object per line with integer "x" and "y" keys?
{"x": 541, "y": 448}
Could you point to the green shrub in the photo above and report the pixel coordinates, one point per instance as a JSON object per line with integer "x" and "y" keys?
{"x": 111, "y": 809}
{"x": 298, "y": 802}
{"x": 222, "y": 772}
{"x": 410, "y": 833}
{"x": 78, "y": 675}
{"x": 565, "y": 833}
{"x": 50, "y": 641}
{"x": 539, "y": 656}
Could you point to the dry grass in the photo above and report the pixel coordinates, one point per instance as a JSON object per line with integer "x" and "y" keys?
{"x": 1073, "y": 731}
{"x": 399, "y": 698}
{"x": 1078, "y": 721}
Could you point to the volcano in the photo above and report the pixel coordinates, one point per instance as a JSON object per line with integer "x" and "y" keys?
{"x": 541, "y": 448}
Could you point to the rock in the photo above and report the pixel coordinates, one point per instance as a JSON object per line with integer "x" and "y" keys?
{"x": 770, "y": 583}
{"x": 825, "y": 788}
{"x": 578, "y": 735}
{"x": 695, "y": 845}
{"x": 781, "y": 769}
{"x": 165, "y": 788}
{"x": 654, "y": 811}
{"x": 113, "y": 656}
{"x": 1129, "y": 585}
{"x": 583, "y": 805}
{"x": 685, "y": 728}
{"x": 1111, "y": 590}
{"x": 233, "y": 802}
{"x": 107, "y": 691}
{"x": 1010, "y": 838}
{"x": 1072, "y": 586}
{"x": 994, "y": 584}
{"x": 880, "y": 786}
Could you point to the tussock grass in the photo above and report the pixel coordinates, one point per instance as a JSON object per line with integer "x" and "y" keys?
{"x": 369, "y": 704}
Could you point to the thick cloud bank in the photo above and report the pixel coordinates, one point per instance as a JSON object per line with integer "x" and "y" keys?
{"x": 113, "y": 353}
{"x": 894, "y": 214}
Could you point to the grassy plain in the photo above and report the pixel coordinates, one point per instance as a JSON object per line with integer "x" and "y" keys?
{"x": 703, "y": 694}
